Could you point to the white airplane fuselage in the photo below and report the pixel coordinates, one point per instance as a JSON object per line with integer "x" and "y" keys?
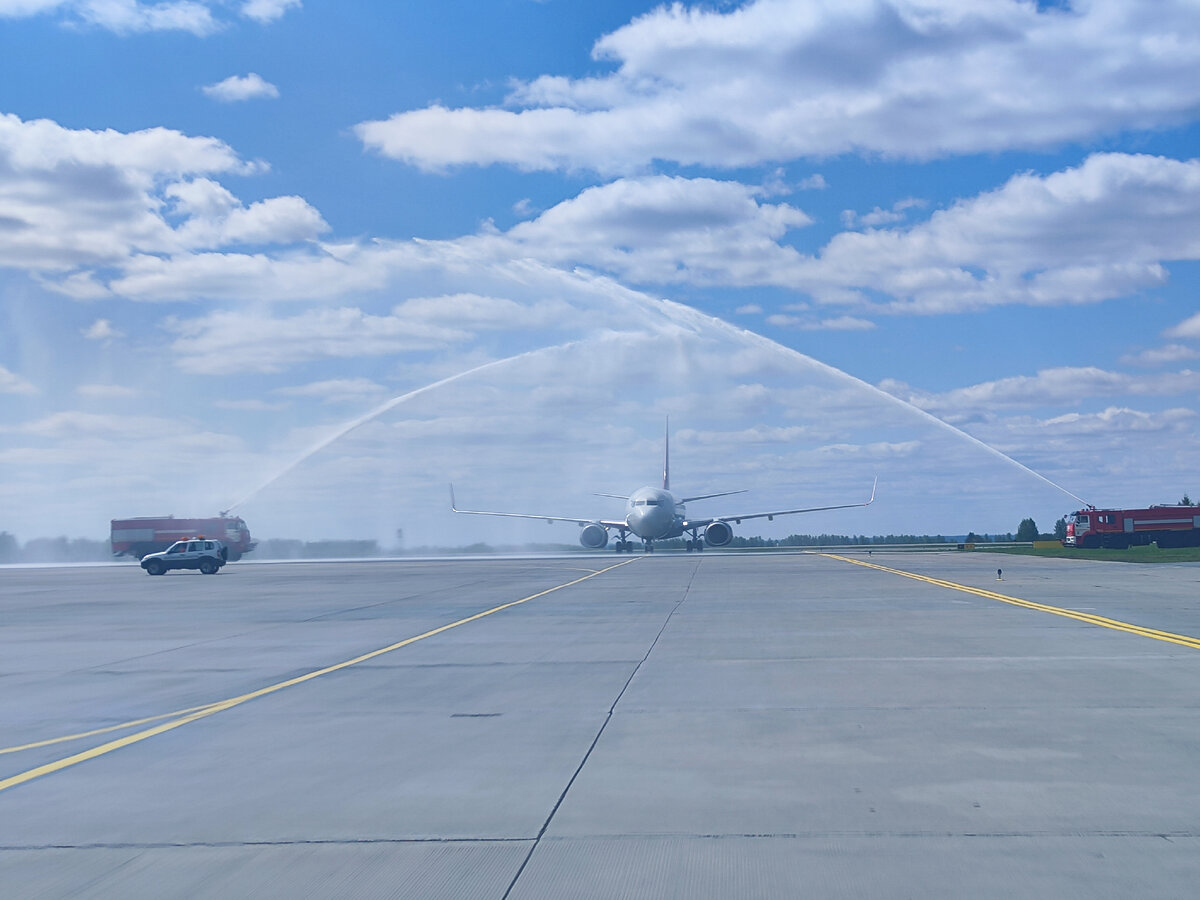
{"x": 654, "y": 514}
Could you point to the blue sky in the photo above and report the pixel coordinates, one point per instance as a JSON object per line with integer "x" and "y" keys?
{"x": 227, "y": 229}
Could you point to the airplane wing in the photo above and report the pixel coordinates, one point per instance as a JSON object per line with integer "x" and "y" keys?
{"x": 699, "y": 523}
{"x": 549, "y": 519}
{"x": 708, "y": 496}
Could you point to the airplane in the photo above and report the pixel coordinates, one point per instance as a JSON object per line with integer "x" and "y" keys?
{"x": 656, "y": 514}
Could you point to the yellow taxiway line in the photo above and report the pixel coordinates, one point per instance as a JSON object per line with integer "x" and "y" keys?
{"x": 193, "y": 714}
{"x": 1115, "y": 624}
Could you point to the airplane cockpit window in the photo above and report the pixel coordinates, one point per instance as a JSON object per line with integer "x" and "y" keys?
{"x": 652, "y": 503}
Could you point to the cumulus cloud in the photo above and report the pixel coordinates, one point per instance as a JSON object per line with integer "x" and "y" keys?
{"x": 267, "y": 10}
{"x": 241, "y": 87}
{"x": 1157, "y": 356}
{"x": 142, "y": 215}
{"x": 78, "y": 200}
{"x": 122, "y": 16}
{"x": 777, "y": 80}
{"x": 880, "y": 216}
{"x": 11, "y": 383}
{"x": 835, "y": 323}
{"x": 1100, "y": 230}
{"x": 133, "y": 17}
{"x": 1189, "y": 328}
{"x": 659, "y": 229}
{"x": 336, "y": 390}
{"x": 260, "y": 342}
{"x": 102, "y": 330}
{"x": 1064, "y": 385}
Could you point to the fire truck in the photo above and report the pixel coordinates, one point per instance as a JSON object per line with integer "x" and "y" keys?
{"x": 152, "y": 534}
{"x": 1167, "y": 526}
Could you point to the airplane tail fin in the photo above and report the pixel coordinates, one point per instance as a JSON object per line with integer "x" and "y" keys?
{"x": 667, "y": 457}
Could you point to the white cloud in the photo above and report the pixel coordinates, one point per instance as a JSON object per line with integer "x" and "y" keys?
{"x": 11, "y": 383}
{"x": 102, "y": 330}
{"x": 213, "y": 217}
{"x": 107, "y": 391}
{"x": 336, "y": 390}
{"x": 17, "y": 8}
{"x": 1157, "y": 356}
{"x": 268, "y": 10}
{"x": 880, "y": 216}
{"x": 74, "y": 426}
{"x": 836, "y": 323}
{"x": 259, "y": 342}
{"x": 779, "y": 80}
{"x": 134, "y": 17}
{"x": 749, "y": 309}
{"x": 241, "y": 87}
{"x": 1188, "y": 328}
{"x": 1101, "y": 230}
{"x": 77, "y": 200}
{"x": 248, "y": 405}
{"x": 1062, "y": 386}
{"x": 1097, "y": 231}
{"x": 131, "y": 17}
{"x": 659, "y": 229}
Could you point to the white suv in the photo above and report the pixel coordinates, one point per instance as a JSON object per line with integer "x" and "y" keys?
{"x": 205, "y": 555}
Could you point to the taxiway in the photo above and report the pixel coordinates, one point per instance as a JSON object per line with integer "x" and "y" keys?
{"x": 715, "y": 725}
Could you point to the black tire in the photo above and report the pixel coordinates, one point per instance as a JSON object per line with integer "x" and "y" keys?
{"x": 209, "y": 567}
{"x": 155, "y": 567}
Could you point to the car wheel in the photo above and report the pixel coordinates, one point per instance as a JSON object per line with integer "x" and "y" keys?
{"x": 208, "y": 567}
{"x": 154, "y": 567}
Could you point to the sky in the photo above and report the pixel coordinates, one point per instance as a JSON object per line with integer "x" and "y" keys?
{"x": 954, "y": 245}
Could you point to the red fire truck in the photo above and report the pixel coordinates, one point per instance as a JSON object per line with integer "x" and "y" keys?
{"x": 151, "y": 534}
{"x": 1167, "y": 526}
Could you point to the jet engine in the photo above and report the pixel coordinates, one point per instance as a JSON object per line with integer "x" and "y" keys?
{"x": 594, "y": 537}
{"x": 718, "y": 534}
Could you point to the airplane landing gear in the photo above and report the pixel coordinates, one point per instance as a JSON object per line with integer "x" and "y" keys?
{"x": 648, "y": 545}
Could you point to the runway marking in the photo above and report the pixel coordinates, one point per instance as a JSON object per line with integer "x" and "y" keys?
{"x": 1114, "y": 624}
{"x": 194, "y": 714}
{"x": 84, "y": 734}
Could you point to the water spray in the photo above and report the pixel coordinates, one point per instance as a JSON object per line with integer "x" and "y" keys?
{"x": 678, "y": 316}
{"x": 374, "y": 414}
{"x": 879, "y": 392}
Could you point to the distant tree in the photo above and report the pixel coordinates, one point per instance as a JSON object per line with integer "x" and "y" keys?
{"x": 10, "y": 550}
{"x": 1060, "y": 529}
{"x": 1186, "y": 501}
{"x": 1027, "y": 530}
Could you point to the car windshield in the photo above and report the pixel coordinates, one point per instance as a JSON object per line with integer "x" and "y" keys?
{"x": 178, "y": 548}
